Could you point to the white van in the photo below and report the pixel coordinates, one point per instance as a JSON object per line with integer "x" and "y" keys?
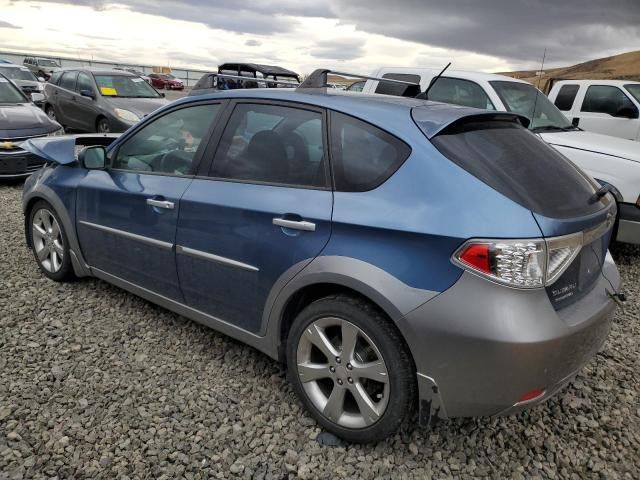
{"x": 608, "y": 159}
{"x": 611, "y": 107}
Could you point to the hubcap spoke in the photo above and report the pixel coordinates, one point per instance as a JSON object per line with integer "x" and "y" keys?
{"x": 365, "y": 404}
{"x": 313, "y": 371}
{"x": 316, "y": 336}
{"x": 349, "y": 337}
{"x": 335, "y": 405}
{"x": 55, "y": 260}
{"x": 46, "y": 221}
{"x": 55, "y": 229}
{"x": 373, "y": 370}
{"x": 43, "y": 253}
{"x": 38, "y": 231}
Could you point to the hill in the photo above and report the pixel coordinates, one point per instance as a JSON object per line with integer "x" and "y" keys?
{"x": 625, "y": 66}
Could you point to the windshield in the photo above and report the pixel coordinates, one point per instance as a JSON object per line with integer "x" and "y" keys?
{"x": 9, "y": 93}
{"x": 522, "y": 97}
{"x": 125, "y": 86}
{"x": 17, "y": 73}
{"x": 634, "y": 89}
{"x": 47, "y": 63}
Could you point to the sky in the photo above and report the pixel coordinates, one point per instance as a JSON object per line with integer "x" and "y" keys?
{"x": 352, "y": 35}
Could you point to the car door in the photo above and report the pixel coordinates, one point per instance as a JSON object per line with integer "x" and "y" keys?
{"x": 84, "y": 108}
{"x": 264, "y": 209}
{"x": 127, "y": 214}
{"x": 63, "y": 98}
{"x": 608, "y": 110}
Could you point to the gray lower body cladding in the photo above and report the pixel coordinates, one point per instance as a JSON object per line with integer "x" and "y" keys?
{"x": 482, "y": 346}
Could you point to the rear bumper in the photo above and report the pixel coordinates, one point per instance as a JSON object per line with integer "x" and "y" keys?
{"x": 479, "y": 347}
{"x": 629, "y": 226}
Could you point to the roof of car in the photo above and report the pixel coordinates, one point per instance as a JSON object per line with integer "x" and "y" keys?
{"x": 265, "y": 69}
{"x": 431, "y": 72}
{"x": 616, "y": 83}
{"x": 99, "y": 71}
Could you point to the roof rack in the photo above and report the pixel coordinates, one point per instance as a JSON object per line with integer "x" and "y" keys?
{"x": 318, "y": 79}
{"x": 254, "y": 79}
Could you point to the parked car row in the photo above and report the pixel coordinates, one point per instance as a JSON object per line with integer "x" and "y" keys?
{"x": 41, "y": 67}
{"x": 231, "y": 76}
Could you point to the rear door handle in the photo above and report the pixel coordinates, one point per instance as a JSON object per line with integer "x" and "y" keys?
{"x": 160, "y": 203}
{"x": 295, "y": 224}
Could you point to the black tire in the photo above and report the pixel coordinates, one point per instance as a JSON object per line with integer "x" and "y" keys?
{"x": 388, "y": 340}
{"x": 51, "y": 113}
{"x": 103, "y": 126}
{"x": 65, "y": 273}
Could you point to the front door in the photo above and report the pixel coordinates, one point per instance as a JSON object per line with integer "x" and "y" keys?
{"x": 264, "y": 210}
{"x": 601, "y": 112}
{"x": 127, "y": 214}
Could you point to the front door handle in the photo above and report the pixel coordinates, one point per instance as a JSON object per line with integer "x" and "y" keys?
{"x": 160, "y": 203}
{"x": 295, "y": 224}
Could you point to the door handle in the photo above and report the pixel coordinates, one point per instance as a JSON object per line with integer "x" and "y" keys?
{"x": 160, "y": 203}
{"x": 294, "y": 224}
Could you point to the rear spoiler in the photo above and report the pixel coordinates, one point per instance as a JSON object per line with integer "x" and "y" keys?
{"x": 318, "y": 79}
{"x": 254, "y": 79}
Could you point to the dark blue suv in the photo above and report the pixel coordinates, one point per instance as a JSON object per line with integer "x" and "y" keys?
{"x": 397, "y": 254}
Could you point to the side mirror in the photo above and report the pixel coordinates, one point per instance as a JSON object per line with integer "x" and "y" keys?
{"x": 162, "y": 94}
{"x": 627, "y": 112}
{"x": 93, "y": 157}
{"x": 41, "y": 79}
{"x": 37, "y": 97}
{"x": 88, "y": 93}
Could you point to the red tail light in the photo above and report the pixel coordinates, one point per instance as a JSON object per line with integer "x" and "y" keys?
{"x": 532, "y": 395}
{"x": 477, "y": 255}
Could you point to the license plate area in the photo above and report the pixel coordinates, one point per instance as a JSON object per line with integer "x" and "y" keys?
{"x": 10, "y": 164}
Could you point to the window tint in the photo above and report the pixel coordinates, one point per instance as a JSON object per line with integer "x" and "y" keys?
{"x": 356, "y": 87}
{"x": 274, "y": 144}
{"x": 634, "y": 89}
{"x": 84, "y": 82}
{"x": 397, "y": 89}
{"x": 68, "y": 80}
{"x": 605, "y": 99}
{"x": 566, "y": 96}
{"x": 169, "y": 144}
{"x": 55, "y": 78}
{"x": 460, "y": 92}
{"x": 364, "y": 156}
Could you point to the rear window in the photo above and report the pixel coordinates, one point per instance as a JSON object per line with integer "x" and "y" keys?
{"x": 516, "y": 163}
{"x": 566, "y": 96}
{"x": 364, "y": 156}
{"x": 397, "y": 89}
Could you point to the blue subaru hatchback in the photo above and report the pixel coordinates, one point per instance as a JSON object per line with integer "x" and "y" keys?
{"x": 399, "y": 255}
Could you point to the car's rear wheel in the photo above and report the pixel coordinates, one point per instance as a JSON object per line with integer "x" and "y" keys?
{"x": 351, "y": 368}
{"x": 49, "y": 242}
{"x": 103, "y": 126}
{"x": 51, "y": 113}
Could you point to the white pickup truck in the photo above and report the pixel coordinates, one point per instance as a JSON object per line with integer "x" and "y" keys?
{"x": 610, "y": 107}
{"x": 608, "y": 159}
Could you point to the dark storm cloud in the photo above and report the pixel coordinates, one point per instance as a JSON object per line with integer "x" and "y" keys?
{"x": 518, "y": 30}
{"x": 338, "y": 49}
{"x": 7, "y": 25}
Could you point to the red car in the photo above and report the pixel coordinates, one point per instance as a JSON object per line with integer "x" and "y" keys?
{"x": 165, "y": 80}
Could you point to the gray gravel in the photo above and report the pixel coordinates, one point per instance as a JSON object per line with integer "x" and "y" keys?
{"x": 97, "y": 383}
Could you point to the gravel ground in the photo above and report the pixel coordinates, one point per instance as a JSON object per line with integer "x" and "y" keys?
{"x": 97, "y": 383}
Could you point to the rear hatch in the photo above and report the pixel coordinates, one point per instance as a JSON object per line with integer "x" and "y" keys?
{"x": 498, "y": 150}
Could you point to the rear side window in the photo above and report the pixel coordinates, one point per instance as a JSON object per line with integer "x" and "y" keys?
{"x": 68, "y": 80}
{"x": 363, "y": 155}
{"x": 457, "y": 91}
{"x": 605, "y": 99}
{"x": 566, "y": 96}
{"x": 397, "y": 89}
{"x": 515, "y": 162}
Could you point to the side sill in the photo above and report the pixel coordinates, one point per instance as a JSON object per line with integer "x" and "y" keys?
{"x": 260, "y": 343}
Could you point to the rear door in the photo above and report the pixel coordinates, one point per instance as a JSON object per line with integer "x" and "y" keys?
{"x": 263, "y": 209}
{"x": 127, "y": 215}
{"x": 608, "y": 110}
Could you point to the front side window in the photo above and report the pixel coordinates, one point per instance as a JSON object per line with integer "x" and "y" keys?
{"x": 527, "y": 100}
{"x": 363, "y": 155}
{"x": 84, "y": 83}
{"x": 125, "y": 86}
{"x": 605, "y": 99}
{"x": 272, "y": 144}
{"x": 566, "y": 96}
{"x": 68, "y": 80}
{"x": 55, "y": 77}
{"x": 460, "y": 92}
{"x": 169, "y": 144}
{"x": 634, "y": 90}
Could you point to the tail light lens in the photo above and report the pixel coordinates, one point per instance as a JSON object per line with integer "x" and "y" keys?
{"x": 530, "y": 263}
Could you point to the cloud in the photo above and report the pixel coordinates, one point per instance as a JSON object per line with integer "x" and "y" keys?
{"x": 518, "y": 30}
{"x": 7, "y": 25}
{"x": 253, "y": 43}
{"x": 338, "y": 49}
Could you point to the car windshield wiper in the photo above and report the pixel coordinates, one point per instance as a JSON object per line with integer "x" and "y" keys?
{"x": 551, "y": 128}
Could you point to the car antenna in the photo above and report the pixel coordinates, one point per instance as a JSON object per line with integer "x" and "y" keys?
{"x": 435, "y": 79}
{"x": 535, "y": 101}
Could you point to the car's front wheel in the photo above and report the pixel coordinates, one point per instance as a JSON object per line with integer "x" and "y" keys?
{"x": 51, "y": 113}
{"x": 103, "y": 126}
{"x": 350, "y": 366}
{"x": 49, "y": 242}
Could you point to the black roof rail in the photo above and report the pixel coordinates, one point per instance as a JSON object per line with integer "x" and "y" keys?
{"x": 253, "y": 79}
{"x": 318, "y": 79}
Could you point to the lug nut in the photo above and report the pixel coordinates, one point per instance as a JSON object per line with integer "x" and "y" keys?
{"x": 350, "y": 380}
{"x": 338, "y": 360}
{"x": 339, "y": 381}
{"x": 349, "y": 367}
{"x": 332, "y": 370}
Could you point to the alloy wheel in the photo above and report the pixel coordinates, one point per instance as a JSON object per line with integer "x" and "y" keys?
{"x": 343, "y": 372}
{"x": 103, "y": 126}
{"x": 47, "y": 240}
